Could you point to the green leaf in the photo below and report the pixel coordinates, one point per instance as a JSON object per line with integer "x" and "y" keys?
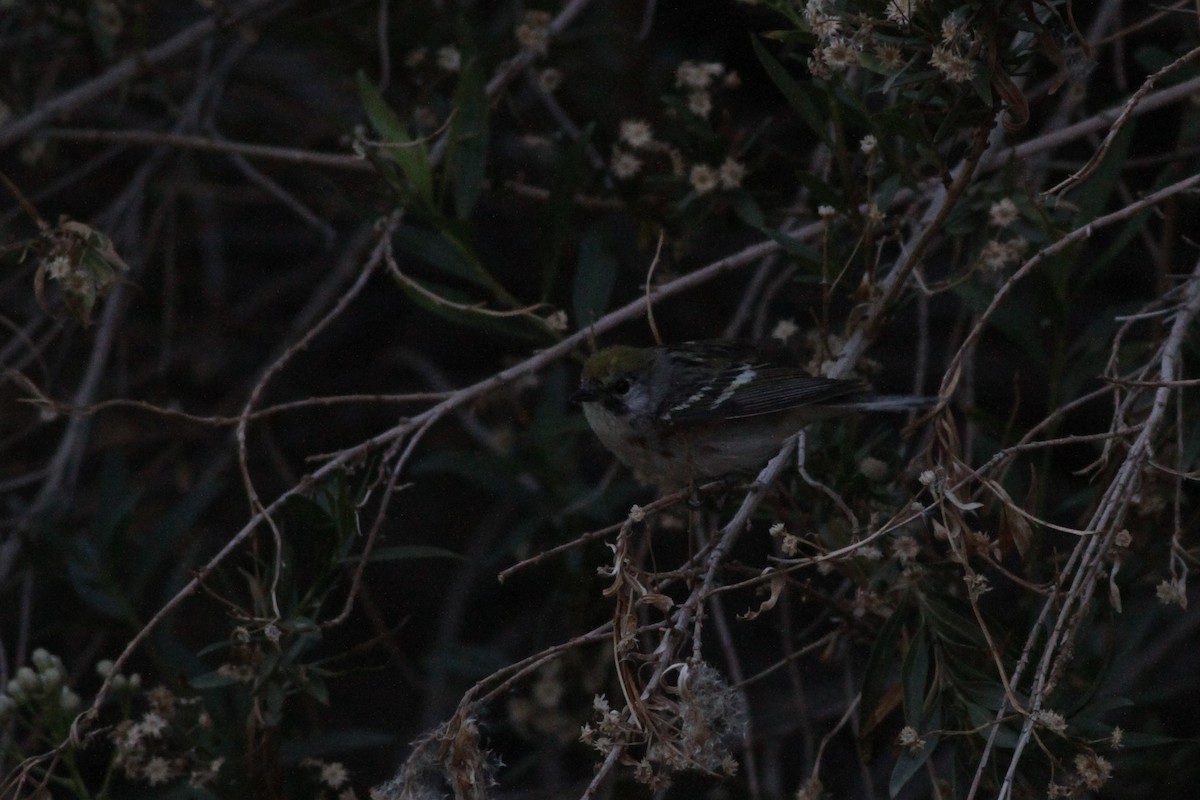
{"x": 338, "y": 741}
{"x": 1092, "y": 196}
{"x": 793, "y": 92}
{"x": 410, "y": 552}
{"x": 594, "y": 276}
{"x": 914, "y": 677}
{"x": 795, "y": 248}
{"x": 411, "y": 156}
{"x": 160, "y": 546}
{"x": 275, "y": 698}
{"x": 212, "y": 680}
{"x": 116, "y": 499}
{"x": 517, "y": 327}
{"x": 880, "y": 662}
{"x": 568, "y": 179}
{"x": 445, "y": 251}
{"x": 950, "y": 621}
{"x": 469, "y": 134}
{"x": 907, "y": 765}
{"x": 748, "y": 210}
{"x": 489, "y": 471}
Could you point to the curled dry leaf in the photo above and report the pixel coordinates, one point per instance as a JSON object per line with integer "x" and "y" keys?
{"x": 778, "y": 581}
{"x": 82, "y": 264}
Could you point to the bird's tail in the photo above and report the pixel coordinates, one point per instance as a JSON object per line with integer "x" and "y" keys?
{"x": 893, "y": 402}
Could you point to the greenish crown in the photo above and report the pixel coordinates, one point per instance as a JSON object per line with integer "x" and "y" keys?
{"x": 616, "y": 360}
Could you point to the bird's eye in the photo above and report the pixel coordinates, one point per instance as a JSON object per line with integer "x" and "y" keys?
{"x": 621, "y": 386}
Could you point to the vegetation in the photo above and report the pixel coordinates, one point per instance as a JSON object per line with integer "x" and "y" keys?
{"x": 296, "y": 293}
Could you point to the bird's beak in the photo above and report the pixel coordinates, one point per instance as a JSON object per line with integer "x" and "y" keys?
{"x": 588, "y": 392}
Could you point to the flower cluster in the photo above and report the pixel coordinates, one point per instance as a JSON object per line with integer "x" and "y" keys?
{"x": 39, "y": 689}
{"x": 695, "y": 724}
{"x": 637, "y": 144}
{"x": 1091, "y": 772}
{"x": 844, "y": 37}
{"x": 167, "y": 741}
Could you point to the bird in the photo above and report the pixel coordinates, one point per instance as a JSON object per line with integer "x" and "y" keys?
{"x": 684, "y": 413}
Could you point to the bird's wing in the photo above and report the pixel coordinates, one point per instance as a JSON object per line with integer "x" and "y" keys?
{"x": 746, "y": 390}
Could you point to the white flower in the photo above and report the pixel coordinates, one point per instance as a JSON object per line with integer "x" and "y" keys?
{"x": 625, "y": 165}
{"x": 1171, "y": 592}
{"x": 870, "y": 552}
{"x": 697, "y": 74}
{"x": 731, "y": 173}
{"x": 700, "y": 103}
{"x": 157, "y": 770}
{"x": 954, "y": 67}
{"x": 1002, "y": 213}
{"x": 333, "y": 774}
{"x": 636, "y": 133}
{"x": 840, "y": 53}
{"x": 637, "y": 513}
{"x": 953, "y": 27}
{"x": 902, "y": 10}
{"x": 68, "y": 701}
{"x": 784, "y": 329}
{"x": 152, "y": 724}
{"x": 449, "y": 59}
{"x": 909, "y": 738}
{"x": 703, "y": 178}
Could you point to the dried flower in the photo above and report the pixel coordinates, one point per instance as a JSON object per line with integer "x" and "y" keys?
{"x": 550, "y": 79}
{"x": 905, "y": 549}
{"x": 1093, "y": 770}
{"x": 1051, "y": 720}
{"x": 891, "y": 57}
{"x": 534, "y": 32}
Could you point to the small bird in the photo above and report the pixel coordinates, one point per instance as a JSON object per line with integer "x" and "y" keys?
{"x": 700, "y": 410}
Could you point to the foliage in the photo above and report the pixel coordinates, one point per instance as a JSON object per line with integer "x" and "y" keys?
{"x": 287, "y": 388}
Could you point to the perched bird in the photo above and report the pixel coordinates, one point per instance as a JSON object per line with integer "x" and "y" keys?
{"x": 700, "y": 410}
